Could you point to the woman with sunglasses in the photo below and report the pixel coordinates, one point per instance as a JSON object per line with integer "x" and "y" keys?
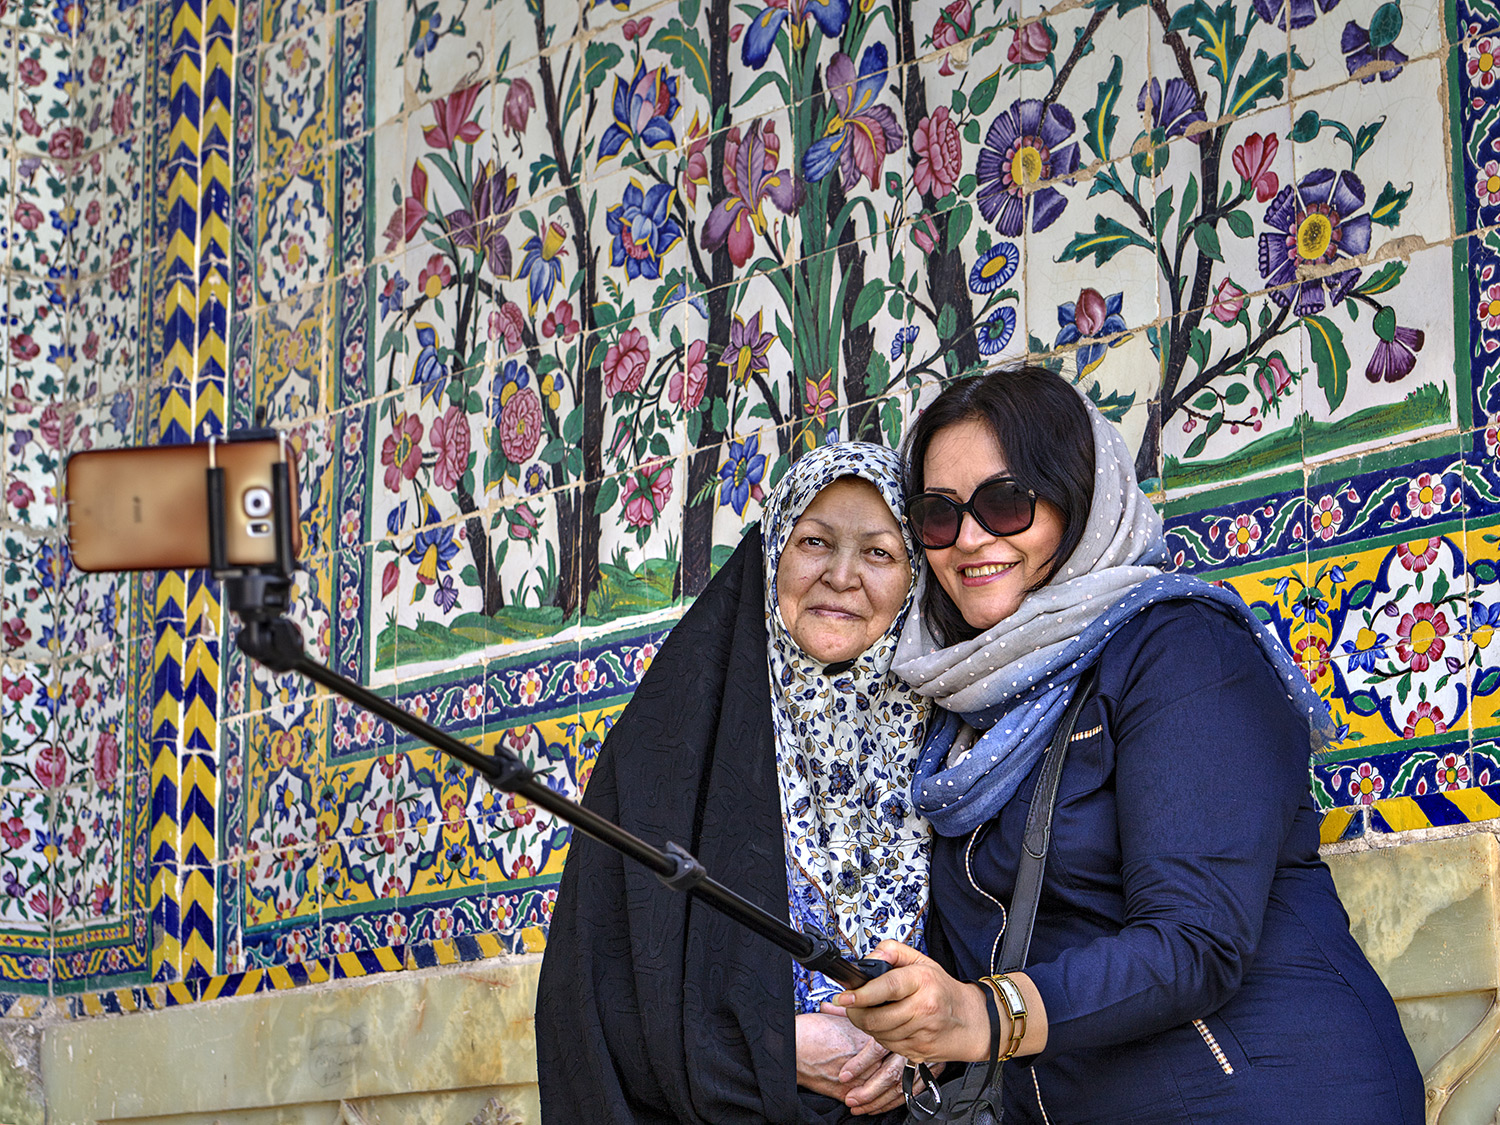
{"x": 1190, "y": 960}
{"x": 770, "y": 739}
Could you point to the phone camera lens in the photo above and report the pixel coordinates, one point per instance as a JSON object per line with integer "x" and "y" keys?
{"x": 257, "y": 502}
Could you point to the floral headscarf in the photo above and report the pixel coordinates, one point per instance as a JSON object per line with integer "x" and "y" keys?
{"x": 847, "y": 739}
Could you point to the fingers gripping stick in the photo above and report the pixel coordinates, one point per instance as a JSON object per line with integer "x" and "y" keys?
{"x": 823, "y": 957}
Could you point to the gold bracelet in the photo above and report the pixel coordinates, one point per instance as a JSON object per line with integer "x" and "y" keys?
{"x": 1009, "y": 995}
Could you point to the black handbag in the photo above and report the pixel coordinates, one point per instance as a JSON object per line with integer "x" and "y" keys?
{"x": 974, "y": 1097}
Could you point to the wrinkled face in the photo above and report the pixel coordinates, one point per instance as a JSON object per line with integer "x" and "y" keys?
{"x": 985, "y": 575}
{"x": 844, "y": 573}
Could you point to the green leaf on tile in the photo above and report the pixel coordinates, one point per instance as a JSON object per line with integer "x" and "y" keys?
{"x": 1241, "y": 223}
{"x": 1404, "y": 774}
{"x": 1388, "y": 208}
{"x": 601, "y": 57}
{"x": 1108, "y": 238}
{"x": 1101, "y": 119}
{"x": 1208, "y": 242}
{"x": 609, "y": 492}
{"x": 1386, "y": 277}
{"x": 958, "y": 225}
{"x": 1266, "y": 78}
{"x": 1330, "y": 357}
{"x": 868, "y": 303}
{"x": 984, "y": 94}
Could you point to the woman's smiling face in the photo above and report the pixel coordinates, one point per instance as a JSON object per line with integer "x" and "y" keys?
{"x": 844, "y": 572}
{"x": 985, "y": 575}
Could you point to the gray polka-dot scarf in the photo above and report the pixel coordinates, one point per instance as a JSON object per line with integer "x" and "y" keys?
{"x": 1013, "y": 682}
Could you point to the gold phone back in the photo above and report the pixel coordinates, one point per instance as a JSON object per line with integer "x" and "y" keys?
{"x": 146, "y": 508}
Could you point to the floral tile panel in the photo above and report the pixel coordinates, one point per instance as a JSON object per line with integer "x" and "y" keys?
{"x": 415, "y": 843}
{"x": 505, "y": 576}
{"x": 1231, "y": 414}
{"x": 639, "y": 550}
{"x": 27, "y": 849}
{"x": 1402, "y": 375}
{"x": 1226, "y": 527}
{"x": 651, "y": 86}
{"x": 291, "y": 367}
{"x": 1367, "y": 42}
{"x": 1350, "y": 501}
{"x": 43, "y": 102}
{"x": 1393, "y": 624}
{"x": 34, "y": 568}
{"x": 293, "y": 234}
{"x": 88, "y": 871}
{"x": 296, "y": 86}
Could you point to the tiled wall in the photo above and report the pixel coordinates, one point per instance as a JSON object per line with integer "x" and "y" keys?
{"x": 548, "y": 294}
{"x": 79, "y": 146}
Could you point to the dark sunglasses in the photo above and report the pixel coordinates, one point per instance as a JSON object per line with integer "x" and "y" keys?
{"x": 1001, "y": 507}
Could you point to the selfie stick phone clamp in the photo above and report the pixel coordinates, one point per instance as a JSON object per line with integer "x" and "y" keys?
{"x": 261, "y": 596}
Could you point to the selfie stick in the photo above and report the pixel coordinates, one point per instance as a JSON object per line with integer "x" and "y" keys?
{"x": 261, "y": 596}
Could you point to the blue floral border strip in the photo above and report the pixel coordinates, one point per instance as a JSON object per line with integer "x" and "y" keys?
{"x": 1340, "y": 512}
{"x": 1237, "y": 533}
{"x": 1363, "y": 782}
{"x": 352, "y": 174}
{"x": 377, "y": 939}
{"x": 526, "y": 687}
{"x": 1484, "y": 306}
{"x": 1480, "y": 15}
{"x": 1460, "y": 786}
{"x": 1347, "y": 512}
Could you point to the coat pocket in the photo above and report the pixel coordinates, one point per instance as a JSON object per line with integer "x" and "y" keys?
{"x": 1211, "y": 1041}
{"x": 1222, "y": 1054}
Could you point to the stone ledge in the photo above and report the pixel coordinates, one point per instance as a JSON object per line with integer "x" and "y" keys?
{"x": 1427, "y": 914}
{"x": 430, "y": 1036}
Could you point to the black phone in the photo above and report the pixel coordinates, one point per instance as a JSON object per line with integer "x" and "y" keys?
{"x": 146, "y": 507}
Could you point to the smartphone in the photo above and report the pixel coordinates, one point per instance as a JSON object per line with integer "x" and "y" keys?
{"x": 146, "y": 507}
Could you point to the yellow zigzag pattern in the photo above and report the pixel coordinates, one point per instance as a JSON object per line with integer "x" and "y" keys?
{"x": 197, "y": 948}
{"x": 203, "y": 618}
{"x": 186, "y": 20}
{"x": 174, "y": 890}
{"x": 166, "y": 844}
{"x": 175, "y": 408}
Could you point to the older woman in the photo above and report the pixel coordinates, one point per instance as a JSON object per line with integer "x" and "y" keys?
{"x": 1190, "y": 959}
{"x": 770, "y": 739}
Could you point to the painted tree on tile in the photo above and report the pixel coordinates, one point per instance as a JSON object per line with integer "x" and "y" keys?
{"x": 727, "y": 205}
{"x": 463, "y": 206}
{"x": 1033, "y": 150}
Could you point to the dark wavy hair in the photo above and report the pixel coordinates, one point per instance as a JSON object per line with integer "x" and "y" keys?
{"x": 1044, "y": 431}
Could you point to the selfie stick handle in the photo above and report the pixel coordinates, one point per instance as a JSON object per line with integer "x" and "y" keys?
{"x": 260, "y": 598}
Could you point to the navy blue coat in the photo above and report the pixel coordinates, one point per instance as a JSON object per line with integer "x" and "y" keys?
{"x": 1193, "y": 956}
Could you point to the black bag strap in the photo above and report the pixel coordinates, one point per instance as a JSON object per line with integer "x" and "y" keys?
{"x": 1023, "y": 902}
{"x": 976, "y": 1097}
